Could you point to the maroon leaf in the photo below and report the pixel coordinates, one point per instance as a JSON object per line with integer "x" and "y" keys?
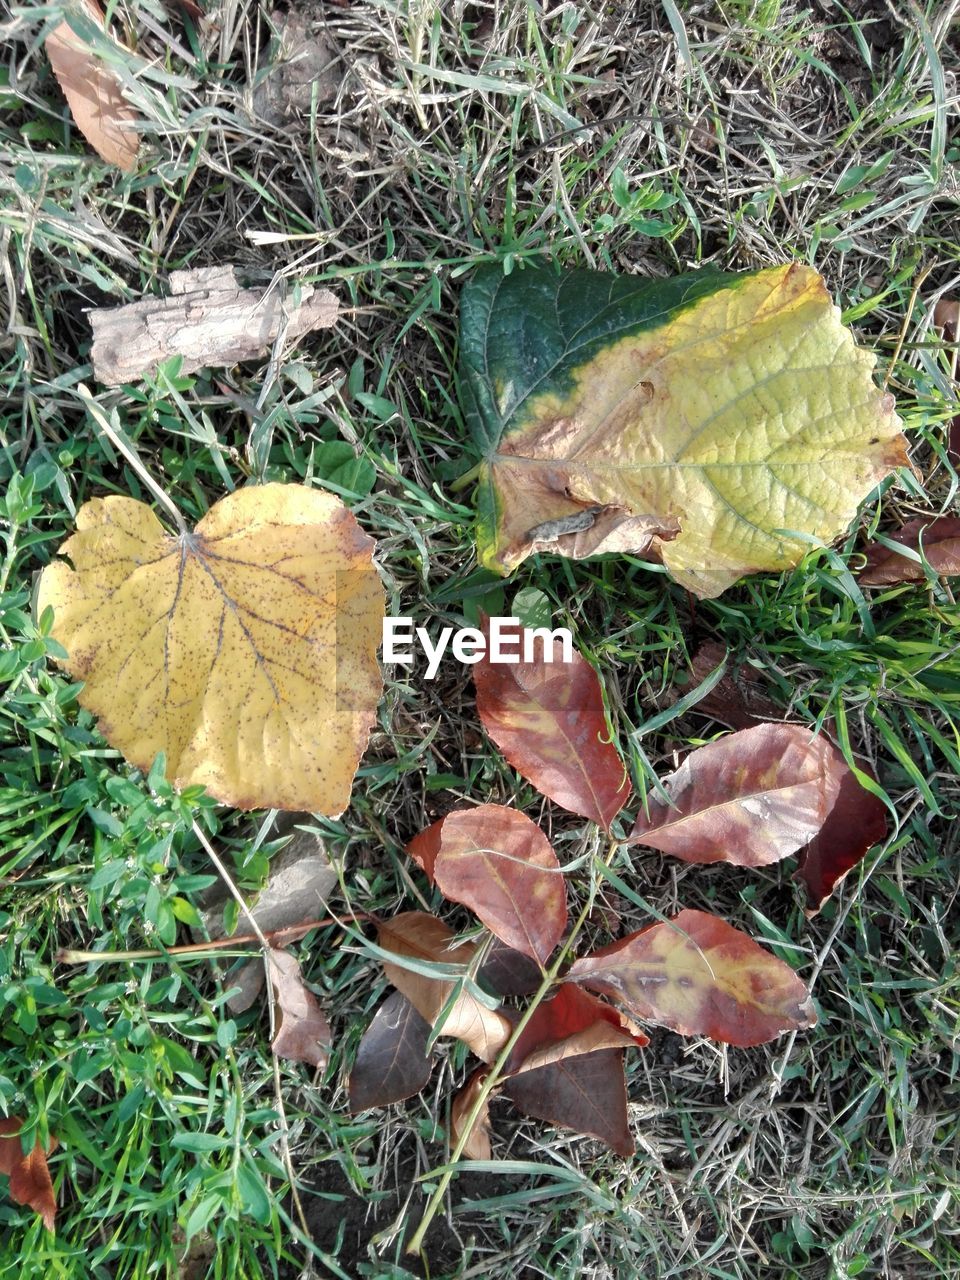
{"x": 701, "y": 977}
{"x": 392, "y": 1061}
{"x": 587, "y": 1094}
{"x": 548, "y": 720}
{"x": 937, "y": 539}
{"x": 737, "y": 698}
{"x": 304, "y": 1033}
{"x": 500, "y": 864}
{"x": 29, "y": 1176}
{"x": 509, "y": 972}
{"x": 569, "y": 1024}
{"x": 750, "y": 798}
{"x": 856, "y": 823}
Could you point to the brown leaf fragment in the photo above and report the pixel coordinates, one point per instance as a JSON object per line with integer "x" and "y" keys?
{"x": 857, "y": 821}
{"x": 548, "y": 719}
{"x": 937, "y": 539}
{"x": 946, "y": 318}
{"x": 29, "y": 1176}
{"x": 392, "y": 1062}
{"x": 498, "y": 863}
{"x": 701, "y": 977}
{"x": 306, "y": 67}
{"x": 587, "y": 1094}
{"x": 425, "y": 938}
{"x": 304, "y": 1033}
{"x": 569, "y": 1024}
{"x": 209, "y": 320}
{"x": 750, "y": 798}
{"x": 478, "y": 1142}
{"x": 93, "y": 93}
{"x": 737, "y": 698}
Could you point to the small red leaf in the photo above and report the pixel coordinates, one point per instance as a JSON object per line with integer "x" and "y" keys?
{"x": 701, "y": 977}
{"x": 29, "y": 1176}
{"x": 936, "y": 538}
{"x": 856, "y": 823}
{"x": 423, "y": 848}
{"x": 392, "y": 1061}
{"x": 500, "y": 864}
{"x": 587, "y": 1094}
{"x": 750, "y": 798}
{"x": 304, "y": 1033}
{"x": 569, "y": 1024}
{"x": 548, "y": 720}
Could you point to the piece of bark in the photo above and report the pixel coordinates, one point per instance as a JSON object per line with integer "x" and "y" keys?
{"x": 298, "y": 885}
{"x": 209, "y": 319}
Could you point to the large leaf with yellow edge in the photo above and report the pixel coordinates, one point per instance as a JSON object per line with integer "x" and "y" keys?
{"x": 245, "y": 651}
{"x": 717, "y": 422}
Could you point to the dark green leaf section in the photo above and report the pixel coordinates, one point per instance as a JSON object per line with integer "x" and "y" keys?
{"x": 525, "y": 333}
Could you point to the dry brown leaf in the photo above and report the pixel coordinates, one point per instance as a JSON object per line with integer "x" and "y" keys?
{"x": 29, "y": 1176}
{"x": 92, "y": 91}
{"x": 424, "y": 937}
{"x": 304, "y": 1033}
{"x": 477, "y": 1146}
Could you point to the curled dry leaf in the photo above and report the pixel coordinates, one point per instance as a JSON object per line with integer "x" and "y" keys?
{"x": 750, "y": 798}
{"x": 937, "y": 539}
{"x": 569, "y": 1024}
{"x": 477, "y": 1146}
{"x": 693, "y": 419}
{"x": 498, "y": 863}
{"x": 701, "y": 977}
{"x": 304, "y": 1033}
{"x": 425, "y": 846}
{"x": 587, "y": 1094}
{"x": 245, "y": 651}
{"x": 30, "y": 1182}
{"x": 392, "y": 1062}
{"x": 548, "y": 719}
{"x": 93, "y": 93}
{"x": 423, "y": 937}
{"x": 854, "y": 825}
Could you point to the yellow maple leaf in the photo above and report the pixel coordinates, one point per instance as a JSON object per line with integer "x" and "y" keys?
{"x": 245, "y": 651}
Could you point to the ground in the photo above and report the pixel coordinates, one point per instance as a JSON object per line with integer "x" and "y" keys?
{"x": 648, "y": 138}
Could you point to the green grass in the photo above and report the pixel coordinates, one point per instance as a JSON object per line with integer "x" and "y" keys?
{"x": 646, "y": 138}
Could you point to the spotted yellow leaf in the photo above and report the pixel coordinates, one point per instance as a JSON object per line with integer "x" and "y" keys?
{"x": 245, "y": 651}
{"x": 720, "y": 423}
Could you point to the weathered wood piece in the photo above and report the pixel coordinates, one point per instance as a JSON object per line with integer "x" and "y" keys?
{"x": 209, "y": 319}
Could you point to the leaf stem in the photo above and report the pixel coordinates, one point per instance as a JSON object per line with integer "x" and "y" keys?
{"x": 468, "y": 477}
{"x": 122, "y": 446}
{"x": 495, "y": 1076}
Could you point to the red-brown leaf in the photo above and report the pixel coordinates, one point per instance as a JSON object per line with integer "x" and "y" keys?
{"x": 423, "y": 848}
{"x": 548, "y": 720}
{"x": 856, "y": 823}
{"x": 500, "y": 864}
{"x": 508, "y": 972}
{"x": 750, "y": 798}
{"x": 701, "y": 977}
{"x": 587, "y": 1094}
{"x": 392, "y": 1061}
{"x": 29, "y": 1176}
{"x": 736, "y": 699}
{"x": 937, "y": 539}
{"x": 478, "y": 1142}
{"x": 569, "y": 1024}
{"x": 424, "y": 937}
{"x": 304, "y": 1033}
